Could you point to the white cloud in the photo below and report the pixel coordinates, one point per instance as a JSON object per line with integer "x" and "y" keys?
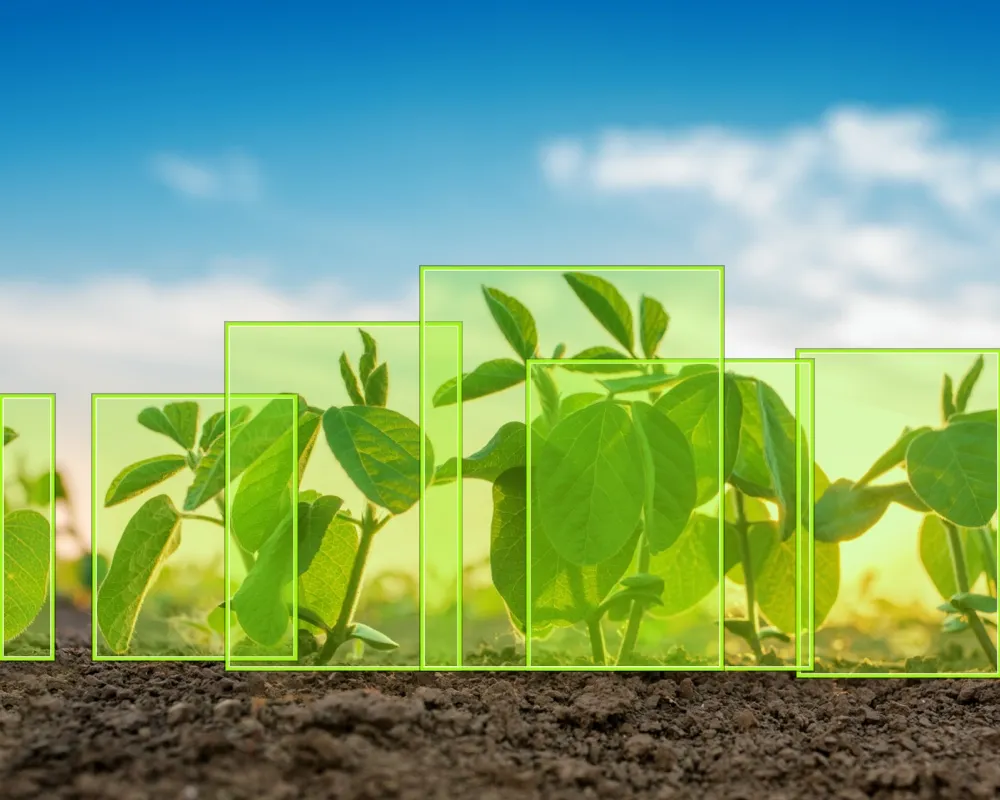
{"x": 863, "y": 229}
{"x": 234, "y": 177}
{"x": 132, "y": 335}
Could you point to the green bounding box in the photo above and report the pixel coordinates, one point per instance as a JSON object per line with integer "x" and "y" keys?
{"x": 27, "y": 543}
{"x": 905, "y": 543}
{"x": 510, "y": 315}
{"x": 266, "y": 442}
{"x": 766, "y": 512}
{"x": 618, "y": 508}
{"x": 157, "y": 566}
{"x": 363, "y": 467}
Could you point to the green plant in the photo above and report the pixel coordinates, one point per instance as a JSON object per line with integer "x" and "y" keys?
{"x": 27, "y": 557}
{"x": 951, "y": 480}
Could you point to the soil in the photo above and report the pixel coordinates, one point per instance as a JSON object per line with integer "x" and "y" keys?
{"x": 189, "y": 731}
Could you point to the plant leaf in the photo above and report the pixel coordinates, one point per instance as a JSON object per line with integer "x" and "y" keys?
{"x": 9, "y": 435}
{"x": 515, "y": 322}
{"x": 590, "y": 484}
{"x": 776, "y": 585}
{"x": 935, "y": 555}
{"x": 259, "y": 604}
{"x": 968, "y": 383}
{"x": 488, "y": 378}
{"x": 845, "y": 512}
{"x": 989, "y": 416}
{"x": 601, "y": 353}
{"x": 316, "y": 513}
{"x": 750, "y": 473}
{"x": 893, "y": 457}
{"x": 947, "y": 398}
{"x": 970, "y": 601}
{"x": 374, "y": 639}
{"x": 653, "y": 321}
{"x": 690, "y": 568}
{"x": 142, "y": 475}
{"x": 323, "y": 585}
{"x": 149, "y": 539}
{"x": 780, "y": 430}
{"x": 350, "y": 380}
{"x": 954, "y": 471}
{"x": 27, "y": 559}
{"x": 607, "y": 305}
{"x": 264, "y": 495}
{"x": 369, "y": 358}
{"x": 639, "y": 383}
{"x": 506, "y": 450}
{"x": 178, "y": 421}
{"x": 377, "y": 386}
{"x": 379, "y": 449}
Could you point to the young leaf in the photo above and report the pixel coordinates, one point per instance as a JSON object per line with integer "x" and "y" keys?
{"x": 316, "y": 513}
{"x": 379, "y": 449}
{"x": 780, "y": 430}
{"x": 27, "y": 563}
{"x": 954, "y": 471}
{"x": 149, "y": 539}
{"x": 590, "y": 484}
{"x": 9, "y": 435}
{"x": 892, "y": 457}
{"x": 967, "y": 384}
{"x": 947, "y": 398}
{"x": 653, "y": 321}
{"x": 559, "y": 351}
{"x": 489, "y": 377}
{"x": 969, "y": 601}
{"x": 374, "y": 639}
{"x": 750, "y": 473}
{"x": 263, "y": 498}
{"x": 137, "y": 478}
{"x": 607, "y": 305}
{"x": 369, "y": 359}
{"x": 215, "y": 425}
{"x": 178, "y": 421}
{"x": 504, "y": 451}
{"x": 954, "y": 625}
{"x": 515, "y": 322}
{"x": 377, "y": 386}
{"x": 674, "y": 485}
{"x": 638, "y": 383}
{"x": 845, "y": 512}
{"x": 323, "y": 586}
{"x": 350, "y": 381}
{"x": 258, "y": 603}
{"x": 600, "y": 353}
{"x": 693, "y": 406}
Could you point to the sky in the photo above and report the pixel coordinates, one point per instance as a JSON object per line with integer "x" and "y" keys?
{"x": 166, "y": 167}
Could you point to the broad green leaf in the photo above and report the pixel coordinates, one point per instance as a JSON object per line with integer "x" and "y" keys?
{"x": 178, "y": 421}
{"x": 379, "y": 449}
{"x": 316, "y": 513}
{"x": 607, "y": 305}
{"x": 653, "y": 321}
{"x": 935, "y": 555}
{"x": 780, "y": 429}
{"x": 590, "y": 484}
{"x": 601, "y": 353}
{"x": 515, "y": 322}
{"x": 893, "y": 457}
{"x": 776, "y": 585}
{"x": 989, "y": 416}
{"x": 638, "y": 383}
{"x": 27, "y": 540}
{"x": 967, "y": 384}
{"x": 215, "y": 425}
{"x": 826, "y": 584}
{"x": 674, "y": 486}
{"x": 845, "y": 512}
{"x": 488, "y": 378}
{"x": 947, "y": 398}
{"x": 504, "y": 451}
{"x": 9, "y": 435}
{"x": 693, "y": 406}
{"x": 750, "y": 473}
{"x": 562, "y": 594}
{"x": 323, "y": 586}
{"x": 149, "y": 539}
{"x": 377, "y": 386}
{"x": 575, "y": 402}
{"x": 140, "y": 476}
{"x": 259, "y": 603}
{"x": 264, "y": 495}
{"x": 253, "y": 437}
{"x": 369, "y": 358}
{"x": 690, "y": 569}
{"x": 350, "y": 379}
{"x": 372, "y": 638}
{"x": 954, "y": 471}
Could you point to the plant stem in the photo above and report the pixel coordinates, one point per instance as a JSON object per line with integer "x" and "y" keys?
{"x": 749, "y": 581}
{"x": 596, "y": 640}
{"x": 338, "y": 634}
{"x": 205, "y": 518}
{"x": 962, "y": 581}
{"x": 627, "y": 649}
{"x": 989, "y": 556}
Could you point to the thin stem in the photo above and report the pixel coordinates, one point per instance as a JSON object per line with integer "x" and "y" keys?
{"x": 627, "y": 649}
{"x": 596, "y": 640}
{"x": 749, "y": 580}
{"x": 205, "y": 518}
{"x": 985, "y": 540}
{"x": 962, "y": 581}
{"x": 338, "y": 634}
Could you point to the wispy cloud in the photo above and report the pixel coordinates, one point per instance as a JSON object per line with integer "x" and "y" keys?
{"x": 865, "y": 228}
{"x": 234, "y": 177}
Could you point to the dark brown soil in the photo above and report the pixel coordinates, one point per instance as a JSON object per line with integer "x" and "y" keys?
{"x": 76, "y": 729}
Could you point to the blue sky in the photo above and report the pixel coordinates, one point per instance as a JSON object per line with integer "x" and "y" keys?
{"x": 165, "y": 167}
{"x": 384, "y": 137}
